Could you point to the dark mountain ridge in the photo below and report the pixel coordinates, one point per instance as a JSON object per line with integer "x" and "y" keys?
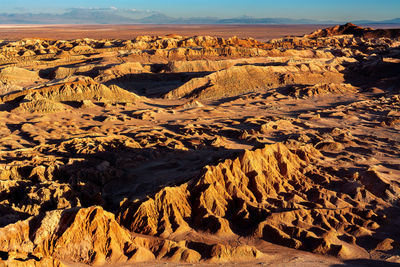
{"x": 133, "y": 16}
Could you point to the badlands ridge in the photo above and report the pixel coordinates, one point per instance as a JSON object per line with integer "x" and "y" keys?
{"x": 181, "y": 150}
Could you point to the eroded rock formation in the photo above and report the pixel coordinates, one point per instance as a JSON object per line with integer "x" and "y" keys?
{"x": 200, "y": 149}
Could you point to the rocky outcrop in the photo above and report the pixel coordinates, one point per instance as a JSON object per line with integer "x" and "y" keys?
{"x": 74, "y": 89}
{"x": 238, "y": 80}
{"x": 212, "y": 65}
{"x": 90, "y": 236}
{"x": 121, "y": 70}
{"x": 357, "y": 31}
{"x": 17, "y": 75}
{"x": 42, "y": 106}
{"x": 320, "y": 89}
{"x": 277, "y": 194}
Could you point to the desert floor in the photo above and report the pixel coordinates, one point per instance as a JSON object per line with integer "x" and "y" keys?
{"x": 118, "y": 150}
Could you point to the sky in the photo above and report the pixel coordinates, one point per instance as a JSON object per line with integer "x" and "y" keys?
{"x": 310, "y": 9}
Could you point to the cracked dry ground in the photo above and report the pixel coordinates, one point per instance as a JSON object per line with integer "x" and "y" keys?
{"x": 179, "y": 150}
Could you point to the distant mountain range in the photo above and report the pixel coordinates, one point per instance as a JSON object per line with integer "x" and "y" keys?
{"x": 114, "y": 15}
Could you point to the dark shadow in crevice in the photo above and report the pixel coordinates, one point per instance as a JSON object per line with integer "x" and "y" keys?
{"x": 154, "y": 85}
{"x": 366, "y": 263}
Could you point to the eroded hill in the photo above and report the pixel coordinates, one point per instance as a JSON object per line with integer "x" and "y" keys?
{"x": 200, "y": 150}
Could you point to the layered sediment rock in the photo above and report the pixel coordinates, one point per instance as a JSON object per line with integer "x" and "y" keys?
{"x": 243, "y": 79}
{"x": 74, "y": 89}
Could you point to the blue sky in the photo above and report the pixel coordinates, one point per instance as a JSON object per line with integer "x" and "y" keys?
{"x": 313, "y": 9}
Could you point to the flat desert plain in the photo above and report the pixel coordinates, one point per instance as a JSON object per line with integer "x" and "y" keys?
{"x": 259, "y": 32}
{"x": 125, "y": 148}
